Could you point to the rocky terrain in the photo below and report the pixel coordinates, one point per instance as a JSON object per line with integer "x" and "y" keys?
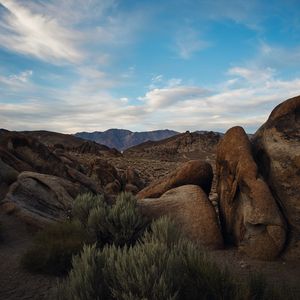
{"x": 122, "y": 139}
{"x": 234, "y": 194}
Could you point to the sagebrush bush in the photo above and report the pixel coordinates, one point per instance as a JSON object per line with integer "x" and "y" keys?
{"x": 52, "y": 248}
{"x": 93, "y": 221}
{"x": 120, "y": 224}
{"x": 83, "y": 205}
{"x": 124, "y": 223}
{"x": 163, "y": 265}
{"x": 85, "y": 280}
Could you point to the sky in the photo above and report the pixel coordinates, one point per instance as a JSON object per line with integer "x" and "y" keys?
{"x": 71, "y": 65}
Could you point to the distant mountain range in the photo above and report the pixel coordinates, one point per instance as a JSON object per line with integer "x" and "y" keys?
{"x": 122, "y": 139}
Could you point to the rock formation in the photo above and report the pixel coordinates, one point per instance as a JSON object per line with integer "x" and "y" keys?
{"x": 277, "y": 150}
{"x": 249, "y": 214}
{"x": 193, "y": 172}
{"x": 191, "y": 210}
{"x": 183, "y": 146}
{"x": 40, "y": 199}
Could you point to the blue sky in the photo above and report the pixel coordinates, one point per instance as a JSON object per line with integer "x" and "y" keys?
{"x": 91, "y": 65}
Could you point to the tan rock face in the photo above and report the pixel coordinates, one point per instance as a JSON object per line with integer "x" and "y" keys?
{"x": 249, "y": 214}
{"x": 194, "y": 172}
{"x": 40, "y": 199}
{"x": 277, "y": 151}
{"x": 191, "y": 210}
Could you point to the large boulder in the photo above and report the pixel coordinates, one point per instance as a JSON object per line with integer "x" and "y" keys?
{"x": 277, "y": 151}
{"x": 249, "y": 214}
{"x": 104, "y": 173}
{"x": 191, "y": 210}
{"x": 40, "y": 199}
{"x": 7, "y": 176}
{"x": 194, "y": 172}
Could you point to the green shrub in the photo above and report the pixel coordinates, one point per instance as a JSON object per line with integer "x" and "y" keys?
{"x": 52, "y": 248}
{"x": 85, "y": 281}
{"x": 120, "y": 224}
{"x": 124, "y": 223}
{"x": 83, "y": 205}
{"x": 163, "y": 265}
{"x": 93, "y": 221}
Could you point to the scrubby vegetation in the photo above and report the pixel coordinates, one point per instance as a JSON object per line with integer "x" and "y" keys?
{"x": 162, "y": 265}
{"x": 52, "y": 249}
{"x": 92, "y": 221}
{"x": 114, "y": 255}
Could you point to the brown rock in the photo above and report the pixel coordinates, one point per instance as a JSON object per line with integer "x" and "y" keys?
{"x": 191, "y": 210}
{"x": 277, "y": 151}
{"x": 131, "y": 188}
{"x": 249, "y": 215}
{"x": 193, "y": 172}
{"x": 113, "y": 188}
{"x": 40, "y": 199}
{"x": 103, "y": 172}
{"x": 132, "y": 177}
{"x": 7, "y": 176}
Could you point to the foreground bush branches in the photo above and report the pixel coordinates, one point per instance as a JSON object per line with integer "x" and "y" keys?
{"x": 162, "y": 265}
{"x": 92, "y": 221}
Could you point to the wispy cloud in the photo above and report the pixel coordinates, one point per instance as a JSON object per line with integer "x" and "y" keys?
{"x": 36, "y": 34}
{"x": 189, "y": 42}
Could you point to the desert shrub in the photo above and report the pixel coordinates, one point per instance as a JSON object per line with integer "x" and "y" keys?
{"x": 120, "y": 224}
{"x": 85, "y": 281}
{"x": 52, "y": 248}
{"x": 162, "y": 265}
{"x": 124, "y": 223}
{"x": 93, "y": 221}
{"x": 84, "y": 204}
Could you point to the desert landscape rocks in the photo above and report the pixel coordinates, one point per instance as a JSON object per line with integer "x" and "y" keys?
{"x": 191, "y": 210}
{"x": 249, "y": 214}
{"x": 277, "y": 150}
{"x": 192, "y": 172}
{"x": 40, "y": 199}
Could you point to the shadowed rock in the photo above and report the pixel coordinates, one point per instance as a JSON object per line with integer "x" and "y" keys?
{"x": 277, "y": 150}
{"x": 40, "y": 199}
{"x": 193, "y": 172}
{"x": 249, "y": 215}
{"x": 191, "y": 210}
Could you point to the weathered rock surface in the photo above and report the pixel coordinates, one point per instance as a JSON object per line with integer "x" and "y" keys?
{"x": 103, "y": 172}
{"x": 277, "y": 151}
{"x": 191, "y": 210}
{"x": 249, "y": 214}
{"x": 40, "y": 199}
{"x": 182, "y": 146}
{"x": 132, "y": 177}
{"x": 193, "y": 172}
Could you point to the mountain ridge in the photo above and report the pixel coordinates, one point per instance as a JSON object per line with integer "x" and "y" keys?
{"x": 123, "y": 139}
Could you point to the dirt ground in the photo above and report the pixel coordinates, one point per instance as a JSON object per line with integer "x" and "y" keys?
{"x": 16, "y": 283}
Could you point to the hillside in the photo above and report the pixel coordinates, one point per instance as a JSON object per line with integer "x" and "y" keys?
{"x": 186, "y": 145}
{"x": 122, "y": 139}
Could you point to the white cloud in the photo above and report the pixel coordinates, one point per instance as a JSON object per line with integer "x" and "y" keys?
{"x": 165, "y": 97}
{"x": 252, "y": 75}
{"x": 36, "y": 34}
{"x": 16, "y": 79}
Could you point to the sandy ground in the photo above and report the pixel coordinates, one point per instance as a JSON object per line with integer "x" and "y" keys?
{"x": 16, "y": 283}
